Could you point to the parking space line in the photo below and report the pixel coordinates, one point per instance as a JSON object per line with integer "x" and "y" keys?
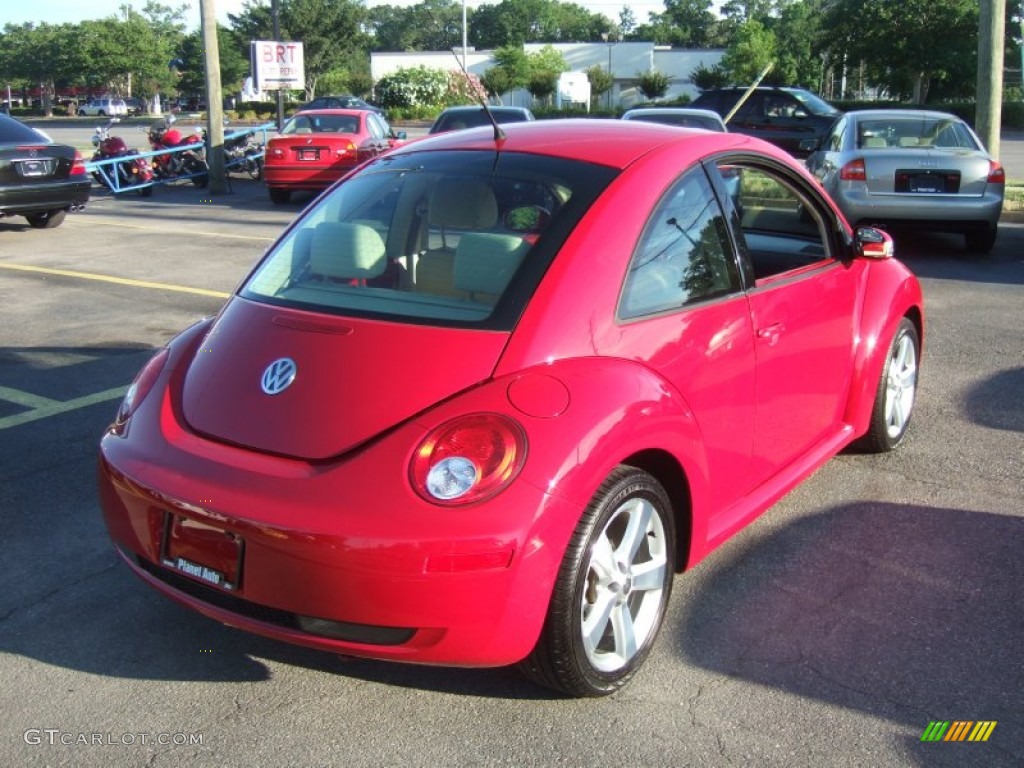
{"x": 56, "y": 407}
{"x": 115, "y": 280}
{"x": 25, "y": 399}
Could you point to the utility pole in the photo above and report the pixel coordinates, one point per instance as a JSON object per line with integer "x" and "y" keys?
{"x": 276, "y": 22}
{"x": 988, "y": 116}
{"x": 214, "y": 98}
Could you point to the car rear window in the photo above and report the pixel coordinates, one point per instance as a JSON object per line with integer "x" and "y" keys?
{"x": 458, "y": 238}
{"x": 887, "y": 133}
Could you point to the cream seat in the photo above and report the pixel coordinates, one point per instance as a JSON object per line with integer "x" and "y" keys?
{"x": 464, "y": 204}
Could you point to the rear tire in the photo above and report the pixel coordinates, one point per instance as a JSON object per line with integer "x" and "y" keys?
{"x": 280, "y": 196}
{"x": 896, "y": 392}
{"x": 982, "y": 240}
{"x": 611, "y": 591}
{"x": 47, "y": 220}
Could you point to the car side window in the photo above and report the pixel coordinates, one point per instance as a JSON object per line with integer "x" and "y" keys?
{"x": 683, "y": 256}
{"x": 834, "y": 143}
{"x": 782, "y": 229}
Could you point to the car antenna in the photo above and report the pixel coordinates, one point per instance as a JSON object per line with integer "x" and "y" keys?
{"x": 499, "y": 135}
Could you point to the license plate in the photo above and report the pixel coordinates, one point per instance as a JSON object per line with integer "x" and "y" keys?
{"x": 925, "y": 185}
{"x": 309, "y": 154}
{"x": 205, "y": 552}
{"x": 34, "y": 168}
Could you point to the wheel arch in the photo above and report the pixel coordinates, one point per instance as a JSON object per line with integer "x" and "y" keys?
{"x": 892, "y": 293}
{"x": 666, "y": 469}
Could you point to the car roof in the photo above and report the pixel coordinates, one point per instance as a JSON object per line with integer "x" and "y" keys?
{"x": 477, "y": 108}
{"x": 875, "y": 114}
{"x": 614, "y": 143}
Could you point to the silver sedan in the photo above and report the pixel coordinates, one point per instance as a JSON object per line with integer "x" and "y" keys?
{"x": 912, "y": 168}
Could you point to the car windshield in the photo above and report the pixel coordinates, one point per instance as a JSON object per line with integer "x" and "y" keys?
{"x": 814, "y": 104}
{"x": 943, "y": 132}
{"x": 457, "y": 238}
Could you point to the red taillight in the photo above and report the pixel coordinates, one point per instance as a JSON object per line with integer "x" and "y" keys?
{"x": 854, "y": 171}
{"x": 78, "y": 166}
{"x": 468, "y": 459}
{"x": 996, "y": 174}
{"x": 276, "y": 152}
{"x": 348, "y": 147}
{"x": 140, "y": 387}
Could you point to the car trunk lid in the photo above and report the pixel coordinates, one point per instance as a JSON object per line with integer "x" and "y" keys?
{"x": 352, "y": 379}
{"x": 927, "y": 171}
{"x": 35, "y": 163}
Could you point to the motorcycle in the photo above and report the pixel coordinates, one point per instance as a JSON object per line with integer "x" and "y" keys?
{"x": 132, "y": 172}
{"x": 171, "y": 165}
{"x": 244, "y": 154}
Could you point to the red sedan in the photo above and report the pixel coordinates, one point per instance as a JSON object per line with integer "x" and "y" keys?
{"x": 483, "y": 399}
{"x": 314, "y": 149}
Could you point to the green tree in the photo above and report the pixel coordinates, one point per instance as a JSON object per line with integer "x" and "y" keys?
{"x": 233, "y": 64}
{"x": 753, "y": 48}
{"x": 515, "y": 22}
{"x": 927, "y": 44}
{"x": 430, "y": 25}
{"x": 601, "y": 81}
{"x": 331, "y": 32}
{"x": 696, "y": 26}
{"x": 652, "y": 84}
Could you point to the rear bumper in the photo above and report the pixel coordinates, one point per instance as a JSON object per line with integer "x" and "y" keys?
{"x": 302, "y": 177}
{"x": 943, "y": 213}
{"x": 37, "y": 198}
{"x": 329, "y": 560}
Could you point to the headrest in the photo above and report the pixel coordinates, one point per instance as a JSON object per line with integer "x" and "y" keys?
{"x": 463, "y": 203}
{"x": 873, "y": 142}
{"x": 484, "y": 262}
{"x": 347, "y": 251}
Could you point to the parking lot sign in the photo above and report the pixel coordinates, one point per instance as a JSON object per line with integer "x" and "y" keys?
{"x": 278, "y": 65}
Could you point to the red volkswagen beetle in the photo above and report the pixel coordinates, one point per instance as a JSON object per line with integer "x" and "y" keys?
{"x": 486, "y": 396}
{"x": 314, "y": 149}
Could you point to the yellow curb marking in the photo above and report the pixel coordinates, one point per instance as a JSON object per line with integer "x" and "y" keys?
{"x": 116, "y": 280}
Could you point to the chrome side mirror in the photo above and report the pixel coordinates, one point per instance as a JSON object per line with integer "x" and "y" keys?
{"x": 872, "y": 243}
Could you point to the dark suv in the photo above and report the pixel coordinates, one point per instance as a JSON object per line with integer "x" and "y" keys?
{"x": 792, "y": 118}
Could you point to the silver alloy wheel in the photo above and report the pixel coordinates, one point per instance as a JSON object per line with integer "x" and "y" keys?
{"x": 901, "y": 386}
{"x": 622, "y": 601}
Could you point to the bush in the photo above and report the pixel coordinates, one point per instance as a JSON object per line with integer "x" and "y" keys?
{"x": 653, "y": 84}
{"x": 412, "y": 87}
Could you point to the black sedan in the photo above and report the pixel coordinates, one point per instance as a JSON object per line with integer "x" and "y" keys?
{"x": 345, "y": 101}
{"x": 39, "y": 179}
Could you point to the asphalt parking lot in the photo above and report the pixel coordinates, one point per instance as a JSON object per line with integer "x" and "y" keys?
{"x": 882, "y": 595}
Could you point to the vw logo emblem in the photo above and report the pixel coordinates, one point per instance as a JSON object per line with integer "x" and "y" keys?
{"x": 278, "y": 376}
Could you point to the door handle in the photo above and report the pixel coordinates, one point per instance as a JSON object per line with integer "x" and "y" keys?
{"x": 770, "y": 333}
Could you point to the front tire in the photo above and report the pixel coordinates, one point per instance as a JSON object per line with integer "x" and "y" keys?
{"x": 897, "y": 390}
{"x": 611, "y": 591}
{"x": 47, "y": 219}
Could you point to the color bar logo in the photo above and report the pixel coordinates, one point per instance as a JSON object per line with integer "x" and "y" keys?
{"x": 958, "y": 730}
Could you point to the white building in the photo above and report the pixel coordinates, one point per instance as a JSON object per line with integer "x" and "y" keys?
{"x": 625, "y": 60}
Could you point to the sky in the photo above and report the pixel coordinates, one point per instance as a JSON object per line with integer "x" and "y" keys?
{"x": 71, "y": 11}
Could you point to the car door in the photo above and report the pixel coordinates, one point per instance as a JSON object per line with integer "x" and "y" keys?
{"x": 824, "y": 163}
{"x": 380, "y": 135}
{"x": 802, "y": 298}
{"x": 682, "y": 312}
